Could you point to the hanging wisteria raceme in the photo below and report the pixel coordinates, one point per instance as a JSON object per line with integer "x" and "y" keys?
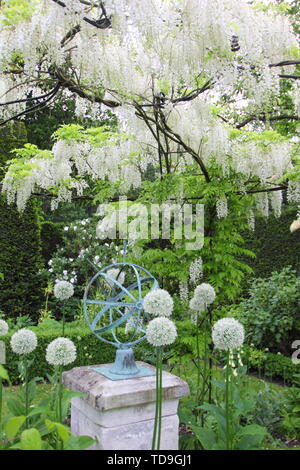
{"x": 162, "y": 68}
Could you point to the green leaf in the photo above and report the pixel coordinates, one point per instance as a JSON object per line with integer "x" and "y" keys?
{"x": 206, "y": 437}
{"x": 63, "y": 431}
{"x": 4, "y": 374}
{"x": 16, "y": 407}
{"x": 13, "y": 425}
{"x": 79, "y": 443}
{"x": 31, "y": 440}
{"x": 252, "y": 430}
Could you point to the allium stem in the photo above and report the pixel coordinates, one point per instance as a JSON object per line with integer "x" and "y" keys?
{"x": 160, "y": 399}
{"x": 210, "y": 362}
{"x": 227, "y": 401}
{"x": 199, "y": 394}
{"x": 1, "y": 398}
{"x": 26, "y": 392}
{"x": 59, "y": 393}
{"x": 156, "y": 400}
{"x": 204, "y": 389}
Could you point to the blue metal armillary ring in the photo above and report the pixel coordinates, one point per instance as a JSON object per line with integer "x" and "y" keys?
{"x": 113, "y": 300}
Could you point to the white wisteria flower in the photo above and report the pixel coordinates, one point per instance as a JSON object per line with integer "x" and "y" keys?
{"x": 61, "y": 352}
{"x": 63, "y": 290}
{"x": 161, "y": 331}
{"x": 206, "y": 292}
{"x": 227, "y": 334}
{"x": 158, "y": 302}
{"x": 3, "y": 328}
{"x": 116, "y": 274}
{"x": 23, "y": 341}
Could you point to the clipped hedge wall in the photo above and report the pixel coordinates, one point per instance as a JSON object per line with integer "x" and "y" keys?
{"x": 273, "y": 243}
{"x": 20, "y": 242}
{"x": 51, "y": 235}
{"x": 90, "y": 350}
{"x": 12, "y": 135}
{"x": 271, "y": 365}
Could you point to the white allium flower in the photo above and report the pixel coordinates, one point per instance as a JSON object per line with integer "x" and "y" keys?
{"x": 159, "y": 303}
{"x": 197, "y": 304}
{"x": 228, "y": 333}
{"x": 115, "y": 273}
{"x": 63, "y": 290}
{"x": 3, "y": 328}
{"x": 61, "y": 352}
{"x": 161, "y": 331}
{"x": 23, "y": 341}
{"x": 206, "y": 292}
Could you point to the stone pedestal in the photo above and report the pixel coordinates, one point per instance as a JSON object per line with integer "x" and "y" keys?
{"x": 120, "y": 414}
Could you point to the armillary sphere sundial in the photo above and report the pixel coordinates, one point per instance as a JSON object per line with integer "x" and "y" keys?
{"x": 113, "y": 300}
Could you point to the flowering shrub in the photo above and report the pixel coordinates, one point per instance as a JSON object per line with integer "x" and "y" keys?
{"x": 81, "y": 254}
{"x": 76, "y": 261}
{"x": 271, "y": 314}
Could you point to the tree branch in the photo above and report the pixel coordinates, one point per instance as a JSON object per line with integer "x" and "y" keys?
{"x": 33, "y": 108}
{"x": 264, "y": 118}
{"x": 285, "y": 63}
{"x": 104, "y": 21}
{"x": 293, "y": 77}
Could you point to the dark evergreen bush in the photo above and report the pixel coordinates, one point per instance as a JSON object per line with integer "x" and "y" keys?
{"x": 52, "y": 238}
{"x": 273, "y": 243}
{"x": 20, "y": 242}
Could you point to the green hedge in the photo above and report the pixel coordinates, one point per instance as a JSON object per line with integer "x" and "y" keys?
{"x": 90, "y": 350}
{"x": 20, "y": 242}
{"x": 12, "y": 135}
{"x": 271, "y": 365}
{"x": 51, "y": 235}
{"x": 273, "y": 243}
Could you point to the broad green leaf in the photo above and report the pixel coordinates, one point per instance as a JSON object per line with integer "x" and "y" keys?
{"x": 63, "y": 431}
{"x": 31, "y": 440}
{"x": 206, "y": 437}
{"x": 13, "y": 425}
{"x": 79, "y": 443}
{"x": 3, "y": 373}
{"x": 252, "y": 430}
